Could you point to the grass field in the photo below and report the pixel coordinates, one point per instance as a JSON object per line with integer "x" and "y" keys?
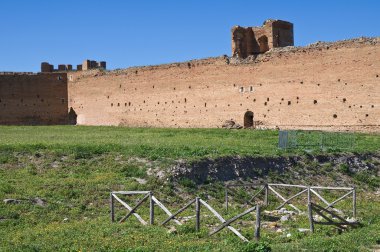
{"x": 73, "y": 169}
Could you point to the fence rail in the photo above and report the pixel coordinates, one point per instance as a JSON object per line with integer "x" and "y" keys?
{"x": 263, "y": 189}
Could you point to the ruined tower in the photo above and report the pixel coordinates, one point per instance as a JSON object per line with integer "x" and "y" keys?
{"x": 253, "y": 40}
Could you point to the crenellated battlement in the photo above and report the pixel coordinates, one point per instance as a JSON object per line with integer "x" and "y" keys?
{"x": 86, "y": 65}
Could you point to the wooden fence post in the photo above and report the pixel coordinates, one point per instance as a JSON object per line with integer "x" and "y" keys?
{"x": 258, "y": 223}
{"x": 266, "y": 195}
{"x": 311, "y": 220}
{"x": 197, "y": 214}
{"x": 151, "y": 206}
{"x": 354, "y": 202}
{"x": 112, "y": 206}
{"x": 226, "y": 196}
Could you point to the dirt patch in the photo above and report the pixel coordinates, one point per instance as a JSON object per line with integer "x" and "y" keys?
{"x": 309, "y": 168}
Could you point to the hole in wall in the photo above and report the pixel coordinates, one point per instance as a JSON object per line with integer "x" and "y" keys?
{"x": 111, "y": 104}
{"x": 185, "y": 100}
{"x": 335, "y": 116}
{"x": 205, "y": 104}
{"x": 118, "y": 104}
{"x": 268, "y": 99}
{"x": 366, "y": 115}
{"x": 344, "y": 100}
{"x": 372, "y": 106}
{"x": 338, "y": 80}
{"x": 265, "y": 103}
{"x": 254, "y": 100}
{"x": 289, "y": 102}
{"x": 301, "y": 82}
{"x": 248, "y": 119}
{"x": 315, "y": 101}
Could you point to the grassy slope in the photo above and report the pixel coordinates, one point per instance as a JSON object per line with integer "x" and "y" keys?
{"x": 75, "y": 168}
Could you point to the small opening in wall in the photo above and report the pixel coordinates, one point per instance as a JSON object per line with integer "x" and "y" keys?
{"x": 173, "y": 88}
{"x": 268, "y": 99}
{"x": 136, "y": 72}
{"x": 251, "y": 89}
{"x": 301, "y": 82}
{"x": 265, "y": 103}
{"x": 118, "y": 104}
{"x": 315, "y": 101}
{"x": 241, "y": 89}
{"x": 234, "y": 85}
{"x": 335, "y": 116}
{"x": 361, "y": 106}
{"x": 111, "y": 104}
{"x": 189, "y": 87}
{"x": 129, "y": 103}
{"x": 254, "y": 100}
{"x": 338, "y": 80}
{"x": 298, "y": 98}
{"x": 289, "y": 102}
{"x": 372, "y": 106}
{"x": 125, "y": 104}
{"x": 153, "y": 86}
{"x": 205, "y": 104}
{"x": 344, "y": 100}
{"x": 189, "y": 65}
{"x": 282, "y": 99}
{"x": 349, "y": 106}
{"x": 318, "y": 84}
{"x": 120, "y": 86}
{"x": 366, "y": 115}
{"x": 144, "y": 101}
{"x": 185, "y": 100}
{"x": 108, "y": 97}
{"x": 228, "y": 105}
{"x": 59, "y": 77}
{"x": 377, "y": 76}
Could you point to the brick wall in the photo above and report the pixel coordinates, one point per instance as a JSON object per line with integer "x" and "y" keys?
{"x": 33, "y": 99}
{"x": 329, "y": 86}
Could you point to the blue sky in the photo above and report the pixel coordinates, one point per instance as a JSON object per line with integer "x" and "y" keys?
{"x": 132, "y": 33}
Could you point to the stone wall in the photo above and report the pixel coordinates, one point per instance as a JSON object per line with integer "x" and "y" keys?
{"x": 33, "y": 99}
{"x": 248, "y": 41}
{"x": 334, "y": 86}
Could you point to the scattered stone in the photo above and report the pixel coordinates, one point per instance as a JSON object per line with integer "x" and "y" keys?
{"x": 285, "y": 218}
{"x": 39, "y": 202}
{"x": 289, "y": 235}
{"x": 172, "y": 230}
{"x": 230, "y": 124}
{"x": 12, "y": 201}
{"x": 279, "y": 230}
{"x": 65, "y": 219}
{"x": 141, "y": 181}
{"x": 303, "y": 230}
{"x": 351, "y": 219}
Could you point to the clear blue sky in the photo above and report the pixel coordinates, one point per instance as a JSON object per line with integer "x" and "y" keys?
{"x": 141, "y": 32}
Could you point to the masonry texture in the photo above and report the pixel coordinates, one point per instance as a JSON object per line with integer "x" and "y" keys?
{"x": 327, "y": 86}
{"x": 33, "y": 99}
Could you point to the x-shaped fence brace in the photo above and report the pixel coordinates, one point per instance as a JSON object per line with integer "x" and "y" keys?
{"x": 304, "y": 189}
{"x": 197, "y": 201}
{"x": 266, "y": 188}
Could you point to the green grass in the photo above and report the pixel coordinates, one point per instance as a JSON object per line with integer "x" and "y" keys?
{"x": 156, "y": 143}
{"x": 74, "y": 168}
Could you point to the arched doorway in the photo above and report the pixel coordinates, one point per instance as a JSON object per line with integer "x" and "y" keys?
{"x": 263, "y": 43}
{"x": 248, "y": 119}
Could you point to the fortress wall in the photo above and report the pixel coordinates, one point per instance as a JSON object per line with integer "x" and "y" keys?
{"x": 33, "y": 99}
{"x": 331, "y": 87}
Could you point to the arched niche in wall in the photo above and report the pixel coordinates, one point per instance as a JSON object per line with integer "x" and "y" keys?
{"x": 248, "y": 119}
{"x": 263, "y": 43}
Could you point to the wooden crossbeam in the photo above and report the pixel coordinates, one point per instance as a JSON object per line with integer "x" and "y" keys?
{"x": 134, "y": 208}
{"x": 255, "y": 195}
{"x": 228, "y": 222}
{"x": 130, "y": 208}
{"x": 289, "y": 199}
{"x": 221, "y": 219}
{"x": 178, "y": 212}
{"x": 164, "y": 209}
{"x": 281, "y": 197}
